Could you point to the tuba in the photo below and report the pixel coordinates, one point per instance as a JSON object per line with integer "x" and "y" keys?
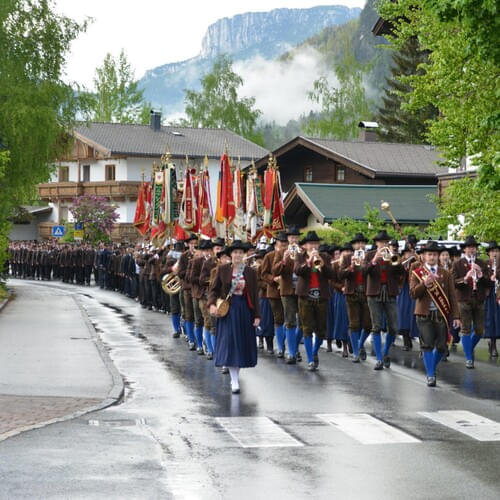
{"x": 171, "y": 284}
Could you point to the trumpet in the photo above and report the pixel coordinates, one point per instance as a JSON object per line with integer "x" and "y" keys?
{"x": 317, "y": 260}
{"x": 389, "y": 256}
{"x": 358, "y": 257}
{"x": 408, "y": 260}
{"x": 293, "y": 250}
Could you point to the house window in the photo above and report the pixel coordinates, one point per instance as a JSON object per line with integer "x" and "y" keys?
{"x": 340, "y": 174}
{"x": 308, "y": 174}
{"x": 86, "y": 173}
{"x": 110, "y": 172}
{"x": 63, "y": 174}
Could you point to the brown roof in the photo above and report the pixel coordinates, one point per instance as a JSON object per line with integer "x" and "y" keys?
{"x": 142, "y": 140}
{"x": 374, "y": 159}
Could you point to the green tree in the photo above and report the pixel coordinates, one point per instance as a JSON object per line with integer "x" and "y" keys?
{"x": 217, "y": 103}
{"x": 468, "y": 208}
{"x": 37, "y": 108}
{"x": 117, "y": 96}
{"x": 395, "y": 123}
{"x": 343, "y": 105}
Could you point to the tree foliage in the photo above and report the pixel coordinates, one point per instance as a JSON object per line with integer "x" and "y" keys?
{"x": 343, "y": 104}
{"x": 97, "y": 214}
{"x": 397, "y": 124}
{"x": 37, "y": 107}
{"x": 466, "y": 204}
{"x": 218, "y": 105}
{"x": 117, "y": 96}
{"x": 461, "y": 83}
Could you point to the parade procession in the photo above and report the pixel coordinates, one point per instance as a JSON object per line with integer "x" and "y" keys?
{"x": 249, "y": 250}
{"x": 236, "y": 281}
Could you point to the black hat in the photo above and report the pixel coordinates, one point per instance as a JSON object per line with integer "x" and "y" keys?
{"x": 359, "y": 237}
{"x": 412, "y": 239}
{"x": 394, "y": 243}
{"x": 443, "y": 248}
{"x": 260, "y": 254}
{"x": 248, "y": 246}
{"x": 179, "y": 246}
{"x": 454, "y": 251}
{"x": 347, "y": 246}
{"x": 281, "y": 236}
{"x": 382, "y": 236}
{"x": 224, "y": 251}
{"x": 293, "y": 231}
{"x": 492, "y": 245}
{"x": 333, "y": 248}
{"x": 237, "y": 245}
{"x": 191, "y": 238}
{"x": 469, "y": 241}
{"x": 302, "y": 241}
{"x": 311, "y": 236}
{"x": 205, "y": 245}
{"x": 431, "y": 246}
{"x": 407, "y": 248}
{"x": 324, "y": 248}
{"x": 219, "y": 242}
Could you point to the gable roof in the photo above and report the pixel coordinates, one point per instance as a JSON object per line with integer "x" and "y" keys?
{"x": 327, "y": 202}
{"x": 373, "y": 159}
{"x": 142, "y": 140}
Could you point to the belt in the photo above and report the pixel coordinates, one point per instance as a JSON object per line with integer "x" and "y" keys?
{"x": 433, "y": 316}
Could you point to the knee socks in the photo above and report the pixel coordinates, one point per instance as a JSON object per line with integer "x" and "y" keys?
{"x": 176, "y": 322}
{"x": 437, "y": 356}
{"x": 317, "y": 344}
{"x": 377, "y": 345}
{"x": 280, "y": 337}
{"x": 467, "y": 345}
{"x": 428, "y": 358}
{"x": 389, "y": 340}
{"x": 308, "y": 345}
{"x": 355, "y": 343}
{"x": 475, "y": 340}
{"x": 189, "y": 326}
{"x": 299, "y": 334}
{"x": 208, "y": 340}
{"x": 291, "y": 341}
{"x": 199, "y": 336}
{"x": 362, "y": 339}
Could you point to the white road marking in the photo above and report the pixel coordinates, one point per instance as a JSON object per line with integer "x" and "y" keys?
{"x": 468, "y": 423}
{"x": 367, "y": 429}
{"x": 257, "y": 432}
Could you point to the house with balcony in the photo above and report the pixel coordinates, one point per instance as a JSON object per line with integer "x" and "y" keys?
{"x": 110, "y": 159}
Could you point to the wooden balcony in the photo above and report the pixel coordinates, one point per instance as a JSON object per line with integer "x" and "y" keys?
{"x": 115, "y": 190}
{"x": 121, "y": 232}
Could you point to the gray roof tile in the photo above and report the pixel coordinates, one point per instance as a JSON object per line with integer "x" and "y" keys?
{"x": 387, "y": 158}
{"x": 141, "y": 140}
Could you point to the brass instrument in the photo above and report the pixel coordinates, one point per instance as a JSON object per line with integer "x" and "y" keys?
{"x": 389, "y": 256}
{"x": 294, "y": 250}
{"x": 171, "y": 284}
{"x": 358, "y": 257}
{"x": 408, "y": 260}
{"x": 317, "y": 261}
{"x": 474, "y": 272}
{"x": 386, "y": 207}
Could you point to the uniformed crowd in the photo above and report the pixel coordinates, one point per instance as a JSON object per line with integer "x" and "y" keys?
{"x": 295, "y": 291}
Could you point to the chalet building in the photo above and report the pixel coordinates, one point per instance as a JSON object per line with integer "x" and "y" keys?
{"x": 312, "y": 205}
{"x": 109, "y": 159}
{"x": 366, "y": 161}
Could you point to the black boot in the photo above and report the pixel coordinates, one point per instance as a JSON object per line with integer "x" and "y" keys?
{"x": 492, "y": 348}
{"x": 329, "y": 345}
{"x": 407, "y": 345}
{"x": 270, "y": 345}
{"x": 261, "y": 343}
{"x": 345, "y": 352}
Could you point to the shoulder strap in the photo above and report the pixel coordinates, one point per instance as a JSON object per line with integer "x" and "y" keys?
{"x": 235, "y": 281}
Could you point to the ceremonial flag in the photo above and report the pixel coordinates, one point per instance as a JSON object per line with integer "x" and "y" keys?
{"x": 140, "y": 217}
{"x": 205, "y": 206}
{"x": 187, "y": 214}
{"x": 228, "y": 211}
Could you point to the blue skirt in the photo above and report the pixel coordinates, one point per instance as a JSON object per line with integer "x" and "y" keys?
{"x": 406, "y": 309}
{"x": 266, "y": 319}
{"x": 330, "y": 317}
{"x": 341, "y": 322}
{"x": 491, "y": 316}
{"x": 235, "y": 343}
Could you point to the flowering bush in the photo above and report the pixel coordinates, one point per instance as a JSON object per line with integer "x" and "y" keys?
{"x": 97, "y": 215}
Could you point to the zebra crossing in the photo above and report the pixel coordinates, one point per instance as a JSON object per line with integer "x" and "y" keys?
{"x": 362, "y": 428}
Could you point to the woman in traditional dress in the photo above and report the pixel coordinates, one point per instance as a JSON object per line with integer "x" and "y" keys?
{"x": 235, "y": 345}
{"x": 492, "y": 308}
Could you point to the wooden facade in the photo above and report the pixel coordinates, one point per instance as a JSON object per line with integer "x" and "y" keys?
{"x": 66, "y": 191}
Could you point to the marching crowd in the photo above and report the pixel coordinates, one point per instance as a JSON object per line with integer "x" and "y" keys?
{"x": 231, "y": 300}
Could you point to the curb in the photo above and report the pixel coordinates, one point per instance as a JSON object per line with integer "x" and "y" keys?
{"x": 114, "y": 396}
{"x": 4, "y": 302}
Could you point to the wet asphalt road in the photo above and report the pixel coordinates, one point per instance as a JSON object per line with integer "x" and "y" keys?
{"x": 166, "y": 439}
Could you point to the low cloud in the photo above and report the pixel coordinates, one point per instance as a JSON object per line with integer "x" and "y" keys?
{"x": 280, "y": 88}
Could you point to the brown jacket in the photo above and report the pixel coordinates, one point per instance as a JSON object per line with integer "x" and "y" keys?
{"x": 303, "y": 272}
{"x": 194, "y": 277}
{"x": 347, "y": 272}
{"x": 373, "y": 272}
{"x": 205, "y": 274}
{"x": 184, "y": 261}
{"x": 464, "y": 289}
{"x": 268, "y": 276}
{"x": 261, "y": 283}
{"x": 222, "y": 284}
{"x": 284, "y": 269}
{"x": 418, "y": 292}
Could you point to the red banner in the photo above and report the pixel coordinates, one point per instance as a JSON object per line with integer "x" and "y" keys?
{"x": 227, "y": 200}
{"x": 141, "y": 212}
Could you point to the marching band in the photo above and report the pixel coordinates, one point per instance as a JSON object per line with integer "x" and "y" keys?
{"x": 227, "y": 298}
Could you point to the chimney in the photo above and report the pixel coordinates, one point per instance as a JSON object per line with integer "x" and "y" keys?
{"x": 155, "y": 120}
{"x": 368, "y": 131}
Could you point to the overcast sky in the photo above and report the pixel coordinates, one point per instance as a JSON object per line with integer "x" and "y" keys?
{"x": 154, "y": 32}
